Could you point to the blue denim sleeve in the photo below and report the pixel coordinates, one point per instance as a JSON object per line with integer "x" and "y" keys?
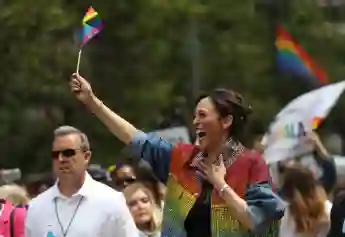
{"x": 264, "y": 205}
{"x": 155, "y": 151}
{"x": 329, "y": 177}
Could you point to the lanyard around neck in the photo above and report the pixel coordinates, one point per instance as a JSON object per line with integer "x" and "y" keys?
{"x": 65, "y": 232}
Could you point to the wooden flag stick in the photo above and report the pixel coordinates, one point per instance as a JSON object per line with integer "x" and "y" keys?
{"x": 78, "y": 63}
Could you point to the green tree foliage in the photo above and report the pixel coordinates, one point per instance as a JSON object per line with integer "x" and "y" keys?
{"x": 141, "y": 64}
{"x": 37, "y": 50}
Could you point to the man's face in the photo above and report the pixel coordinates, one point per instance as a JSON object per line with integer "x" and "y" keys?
{"x": 69, "y": 160}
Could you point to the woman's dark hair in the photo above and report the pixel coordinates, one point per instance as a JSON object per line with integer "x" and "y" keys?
{"x": 126, "y": 161}
{"x": 229, "y": 102}
{"x": 146, "y": 176}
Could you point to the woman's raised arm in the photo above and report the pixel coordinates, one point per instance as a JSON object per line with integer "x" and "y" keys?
{"x": 152, "y": 149}
{"x": 120, "y": 127}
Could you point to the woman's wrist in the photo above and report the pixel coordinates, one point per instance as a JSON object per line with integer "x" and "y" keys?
{"x": 223, "y": 190}
{"x": 94, "y": 103}
{"x": 220, "y": 184}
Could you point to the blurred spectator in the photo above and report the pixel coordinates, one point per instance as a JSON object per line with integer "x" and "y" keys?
{"x": 123, "y": 174}
{"x": 338, "y": 216}
{"x": 98, "y": 173}
{"x": 318, "y": 160}
{"x": 146, "y": 214}
{"x": 146, "y": 176}
{"x": 13, "y": 210}
{"x": 10, "y": 175}
{"x": 129, "y": 171}
{"x": 43, "y": 187}
{"x": 38, "y": 183}
{"x": 308, "y": 210}
{"x": 15, "y": 194}
{"x": 11, "y": 219}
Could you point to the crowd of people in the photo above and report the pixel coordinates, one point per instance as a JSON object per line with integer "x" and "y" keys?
{"x": 214, "y": 187}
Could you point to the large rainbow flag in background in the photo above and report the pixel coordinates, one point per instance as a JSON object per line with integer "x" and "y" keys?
{"x": 292, "y": 59}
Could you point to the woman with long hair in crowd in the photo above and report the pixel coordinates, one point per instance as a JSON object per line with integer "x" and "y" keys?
{"x": 308, "y": 210}
{"x": 144, "y": 209}
{"x": 218, "y": 188}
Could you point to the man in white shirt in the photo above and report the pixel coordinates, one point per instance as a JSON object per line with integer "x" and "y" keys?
{"x": 77, "y": 205}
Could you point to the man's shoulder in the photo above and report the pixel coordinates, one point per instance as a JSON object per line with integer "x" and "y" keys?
{"x": 105, "y": 191}
{"x": 107, "y": 198}
{"x": 42, "y": 198}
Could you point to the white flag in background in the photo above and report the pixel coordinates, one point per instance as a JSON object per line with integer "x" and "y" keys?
{"x": 174, "y": 135}
{"x": 286, "y": 135}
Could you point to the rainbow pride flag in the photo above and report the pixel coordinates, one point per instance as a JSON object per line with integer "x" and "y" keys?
{"x": 292, "y": 58}
{"x": 92, "y": 25}
{"x": 316, "y": 122}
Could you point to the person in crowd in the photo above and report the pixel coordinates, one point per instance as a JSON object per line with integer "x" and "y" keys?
{"x": 324, "y": 169}
{"x": 99, "y": 174}
{"x": 11, "y": 219}
{"x": 127, "y": 171}
{"x": 146, "y": 213}
{"x": 219, "y": 188}
{"x": 16, "y": 194}
{"x": 308, "y": 210}
{"x": 77, "y": 205}
{"x": 338, "y": 215}
{"x": 123, "y": 174}
{"x": 38, "y": 183}
{"x": 147, "y": 177}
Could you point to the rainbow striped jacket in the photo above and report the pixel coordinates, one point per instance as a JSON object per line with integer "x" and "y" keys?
{"x": 248, "y": 176}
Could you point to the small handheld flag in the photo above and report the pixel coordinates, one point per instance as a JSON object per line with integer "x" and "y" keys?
{"x": 316, "y": 122}
{"x": 92, "y": 25}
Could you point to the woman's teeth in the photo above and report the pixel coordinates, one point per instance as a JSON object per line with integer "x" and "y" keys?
{"x": 201, "y": 134}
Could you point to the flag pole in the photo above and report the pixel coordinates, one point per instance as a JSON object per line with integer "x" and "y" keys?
{"x": 78, "y": 62}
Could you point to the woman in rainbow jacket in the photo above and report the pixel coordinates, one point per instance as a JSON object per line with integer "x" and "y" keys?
{"x": 218, "y": 188}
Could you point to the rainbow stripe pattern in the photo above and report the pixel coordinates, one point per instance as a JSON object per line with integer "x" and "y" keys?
{"x": 181, "y": 196}
{"x": 316, "y": 122}
{"x": 292, "y": 59}
{"x": 181, "y": 200}
{"x": 92, "y": 25}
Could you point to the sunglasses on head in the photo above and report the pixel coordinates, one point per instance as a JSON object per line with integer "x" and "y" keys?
{"x": 65, "y": 153}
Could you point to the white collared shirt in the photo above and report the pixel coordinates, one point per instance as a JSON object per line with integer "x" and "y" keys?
{"x": 102, "y": 213}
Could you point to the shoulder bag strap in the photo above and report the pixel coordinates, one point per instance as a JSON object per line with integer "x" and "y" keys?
{"x": 12, "y": 223}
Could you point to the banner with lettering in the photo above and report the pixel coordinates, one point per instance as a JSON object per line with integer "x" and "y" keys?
{"x": 286, "y": 136}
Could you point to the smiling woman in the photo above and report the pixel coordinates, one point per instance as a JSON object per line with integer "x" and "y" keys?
{"x": 218, "y": 188}
{"x": 222, "y": 113}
